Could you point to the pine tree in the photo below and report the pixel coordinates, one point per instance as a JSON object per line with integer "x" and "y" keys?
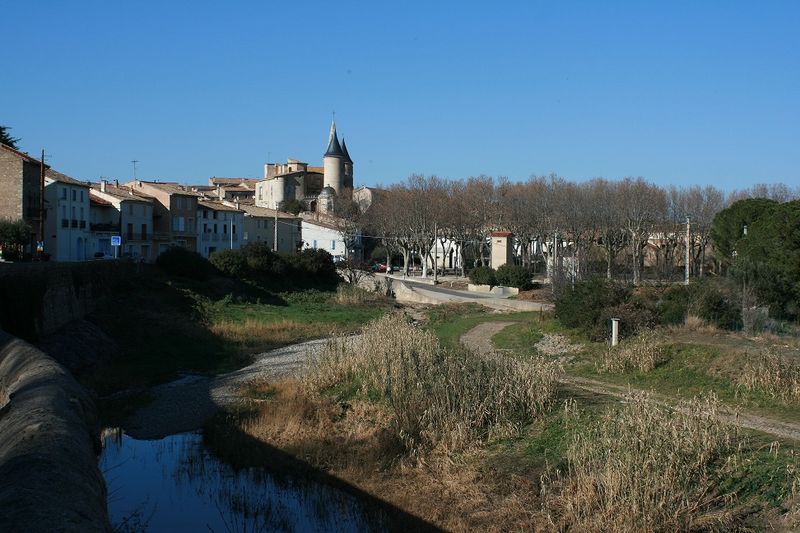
{"x": 6, "y": 138}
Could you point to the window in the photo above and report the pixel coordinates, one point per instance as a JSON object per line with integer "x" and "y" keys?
{"x": 144, "y": 232}
{"x": 73, "y": 210}
{"x": 74, "y": 194}
{"x": 178, "y": 224}
{"x": 333, "y": 245}
{"x": 215, "y": 228}
{"x": 233, "y": 228}
{"x": 81, "y": 213}
{"x": 225, "y": 229}
{"x": 64, "y": 208}
{"x": 63, "y": 193}
{"x": 130, "y": 208}
{"x": 81, "y": 195}
{"x": 315, "y": 244}
{"x": 178, "y": 202}
{"x": 130, "y": 232}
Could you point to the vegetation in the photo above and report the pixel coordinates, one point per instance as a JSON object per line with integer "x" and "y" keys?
{"x": 178, "y": 261}
{"x": 483, "y": 275}
{"x": 643, "y": 353}
{"x": 257, "y": 263}
{"x": 6, "y": 138}
{"x": 647, "y": 468}
{"x": 14, "y": 234}
{"x": 514, "y": 276}
{"x": 438, "y": 399}
{"x": 775, "y": 374}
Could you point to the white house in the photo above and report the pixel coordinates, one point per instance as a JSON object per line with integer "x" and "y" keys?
{"x": 219, "y": 227}
{"x": 67, "y": 235}
{"x": 126, "y": 212}
{"x": 325, "y": 233}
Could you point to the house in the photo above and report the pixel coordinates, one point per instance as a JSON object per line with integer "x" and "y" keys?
{"x": 124, "y": 212}
{"x": 20, "y": 181}
{"x": 219, "y": 227}
{"x": 331, "y": 234}
{"x": 67, "y": 236}
{"x": 174, "y": 214}
{"x": 234, "y": 189}
{"x": 259, "y": 226}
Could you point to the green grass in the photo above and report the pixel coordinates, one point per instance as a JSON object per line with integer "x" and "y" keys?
{"x": 450, "y": 322}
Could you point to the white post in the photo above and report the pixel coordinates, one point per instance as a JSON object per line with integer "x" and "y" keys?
{"x": 435, "y": 254}
{"x": 688, "y": 243}
{"x": 614, "y": 331}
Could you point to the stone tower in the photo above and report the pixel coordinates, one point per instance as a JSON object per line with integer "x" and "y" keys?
{"x": 348, "y": 167}
{"x": 333, "y": 163}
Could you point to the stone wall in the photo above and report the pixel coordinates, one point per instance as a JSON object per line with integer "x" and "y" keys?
{"x": 49, "y": 440}
{"x": 39, "y": 298}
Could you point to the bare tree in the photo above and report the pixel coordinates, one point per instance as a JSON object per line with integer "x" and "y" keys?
{"x": 644, "y": 205}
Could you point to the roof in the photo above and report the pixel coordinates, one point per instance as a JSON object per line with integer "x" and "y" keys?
{"x": 63, "y": 178}
{"x": 169, "y": 187}
{"x": 214, "y": 180}
{"x": 257, "y": 211}
{"x": 216, "y": 206}
{"x": 21, "y": 155}
{"x": 316, "y": 170}
{"x": 325, "y": 221}
{"x": 122, "y": 193}
{"x": 98, "y": 201}
{"x": 501, "y": 234}
{"x": 334, "y": 148}
{"x": 346, "y": 154}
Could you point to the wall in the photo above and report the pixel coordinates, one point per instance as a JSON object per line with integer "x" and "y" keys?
{"x": 49, "y": 440}
{"x": 39, "y": 298}
{"x": 11, "y": 184}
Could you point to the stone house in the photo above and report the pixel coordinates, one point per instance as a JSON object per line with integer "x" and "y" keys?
{"x": 20, "y": 181}
{"x": 174, "y": 214}
{"x": 259, "y": 226}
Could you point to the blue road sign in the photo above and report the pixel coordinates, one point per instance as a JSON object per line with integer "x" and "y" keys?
{"x": 116, "y": 240}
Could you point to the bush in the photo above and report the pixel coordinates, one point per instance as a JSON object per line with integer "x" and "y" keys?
{"x": 178, "y": 261}
{"x": 710, "y": 300}
{"x": 230, "y": 262}
{"x": 586, "y": 305}
{"x": 483, "y": 275}
{"x": 643, "y": 353}
{"x": 634, "y": 317}
{"x": 514, "y": 276}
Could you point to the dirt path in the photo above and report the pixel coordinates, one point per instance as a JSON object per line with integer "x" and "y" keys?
{"x": 479, "y": 338}
{"x": 184, "y": 404}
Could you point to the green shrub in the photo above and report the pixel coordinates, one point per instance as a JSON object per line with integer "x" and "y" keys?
{"x": 232, "y": 263}
{"x": 633, "y": 319}
{"x": 178, "y": 261}
{"x": 483, "y": 275}
{"x": 514, "y": 276}
{"x": 587, "y": 305}
{"x": 710, "y": 300}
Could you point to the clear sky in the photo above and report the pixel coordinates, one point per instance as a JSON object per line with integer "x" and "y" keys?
{"x": 677, "y": 92}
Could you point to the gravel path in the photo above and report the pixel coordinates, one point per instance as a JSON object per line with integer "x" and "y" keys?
{"x": 480, "y": 338}
{"x": 184, "y": 404}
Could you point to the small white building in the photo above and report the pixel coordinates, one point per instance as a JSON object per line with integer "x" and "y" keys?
{"x": 67, "y": 235}
{"x": 324, "y": 233}
{"x": 219, "y": 227}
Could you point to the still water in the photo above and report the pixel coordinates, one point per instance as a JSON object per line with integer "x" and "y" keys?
{"x": 175, "y": 484}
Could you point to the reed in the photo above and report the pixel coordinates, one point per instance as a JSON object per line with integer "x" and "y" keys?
{"x": 775, "y": 374}
{"x": 643, "y": 352}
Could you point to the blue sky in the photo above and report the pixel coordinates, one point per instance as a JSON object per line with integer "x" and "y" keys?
{"x": 677, "y": 92}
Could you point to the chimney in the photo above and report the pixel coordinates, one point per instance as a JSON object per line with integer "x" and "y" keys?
{"x": 103, "y": 184}
{"x": 116, "y": 183}
{"x": 219, "y": 191}
{"x": 237, "y": 204}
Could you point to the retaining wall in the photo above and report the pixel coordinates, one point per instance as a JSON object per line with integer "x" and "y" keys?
{"x": 49, "y": 440}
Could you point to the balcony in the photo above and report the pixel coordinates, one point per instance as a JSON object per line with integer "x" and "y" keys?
{"x": 74, "y": 223}
{"x": 64, "y": 222}
{"x": 82, "y": 224}
{"x": 104, "y": 226}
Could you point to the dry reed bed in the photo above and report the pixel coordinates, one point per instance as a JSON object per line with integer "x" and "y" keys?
{"x": 643, "y": 352}
{"x": 645, "y": 468}
{"x": 774, "y": 374}
{"x": 439, "y": 399}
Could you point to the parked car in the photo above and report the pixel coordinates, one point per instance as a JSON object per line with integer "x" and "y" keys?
{"x": 378, "y": 267}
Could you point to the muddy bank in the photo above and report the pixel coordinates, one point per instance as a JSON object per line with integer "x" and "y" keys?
{"x": 49, "y": 437}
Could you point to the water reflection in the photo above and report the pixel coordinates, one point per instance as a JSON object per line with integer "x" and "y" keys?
{"x": 175, "y": 484}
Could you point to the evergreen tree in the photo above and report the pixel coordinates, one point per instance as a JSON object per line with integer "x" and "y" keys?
{"x": 6, "y": 138}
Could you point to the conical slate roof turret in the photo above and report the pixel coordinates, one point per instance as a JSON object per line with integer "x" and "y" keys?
{"x": 334, "y": 148}
{"x": 345, "y": 153}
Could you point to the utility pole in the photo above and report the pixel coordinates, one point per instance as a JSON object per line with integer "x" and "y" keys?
{"x": 41, "y": 205}
{"x": 688, "y": 242}
{"x": 134, "y": 169}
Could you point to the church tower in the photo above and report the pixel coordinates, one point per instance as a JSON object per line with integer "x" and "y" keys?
{"x": 333, "y": 163}
{"x": 347, "y": 167}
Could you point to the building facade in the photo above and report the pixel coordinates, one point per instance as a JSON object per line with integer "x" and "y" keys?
{"x": 174, "y": 214}
{"x": 67, "y": 232}
{"x": 20, "y": 181}
{"x": 130, "y": 218}
{"x": 219, "y": 227}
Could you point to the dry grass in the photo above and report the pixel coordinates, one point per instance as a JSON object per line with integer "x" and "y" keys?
{"x": 439, "y": 399}
{"x": 773, "y": 373}
{"x": 347, "y": 294}
{"x": 252, "y": 336}
{"x": 643, "y": 352}
{"x": 646, "y": 468}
